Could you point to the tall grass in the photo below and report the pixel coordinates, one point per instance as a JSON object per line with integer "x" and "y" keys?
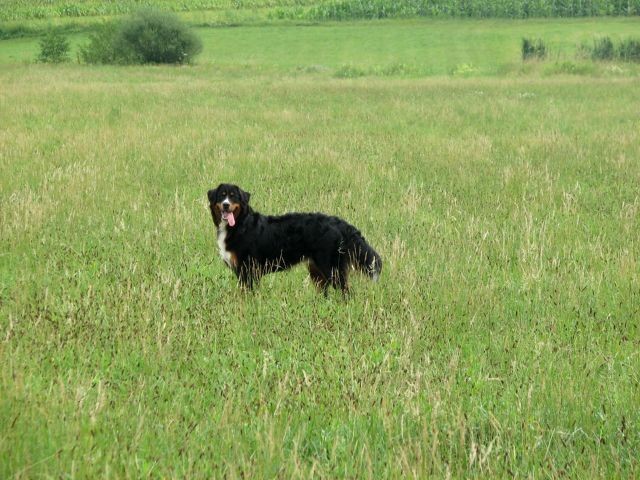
{"x": 501, "y": 340}
{"x": 533, "y": 49}
{"x": 629, "y": 49}
{"x": 603, "y": 48}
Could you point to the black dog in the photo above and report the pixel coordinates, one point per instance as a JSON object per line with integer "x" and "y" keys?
{"x": 252, "y": 244}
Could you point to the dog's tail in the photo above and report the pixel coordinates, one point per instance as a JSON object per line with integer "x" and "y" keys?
{"x": 363, "y": 257}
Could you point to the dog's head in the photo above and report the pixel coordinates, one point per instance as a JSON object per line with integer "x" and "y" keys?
{"x": 228, "y": 204}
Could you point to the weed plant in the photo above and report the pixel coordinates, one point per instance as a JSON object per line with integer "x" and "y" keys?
{"x": 533, "y": 49}
{"x": 629, "y": 50}
{"x": 604, "y": 49}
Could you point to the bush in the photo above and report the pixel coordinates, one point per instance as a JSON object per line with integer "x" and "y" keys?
{"x": 629, "y": 50}
{"x": 149, "y": 36}
{"x": 533, "y": 49}
{"x": 103, "y": 48}
{"x": 54, "y": 48}
{"x": 159, "y": 37}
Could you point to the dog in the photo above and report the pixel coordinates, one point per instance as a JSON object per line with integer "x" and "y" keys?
{"x": 253, "y": 245}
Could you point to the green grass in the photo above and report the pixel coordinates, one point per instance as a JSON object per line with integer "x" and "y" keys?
{"x": 411, "y": 48}
{"x": 501, "y": 341}
{"x": 423, "y": 47}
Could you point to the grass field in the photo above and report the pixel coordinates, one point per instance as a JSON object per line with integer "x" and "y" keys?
{"x": 409, "y": 48}
{"x": 501, "y": 341}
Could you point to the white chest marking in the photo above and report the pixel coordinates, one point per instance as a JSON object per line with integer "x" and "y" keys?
{"x": 222, "y": 237}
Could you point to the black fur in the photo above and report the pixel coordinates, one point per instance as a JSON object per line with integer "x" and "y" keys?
{"x": 259, "y": 244}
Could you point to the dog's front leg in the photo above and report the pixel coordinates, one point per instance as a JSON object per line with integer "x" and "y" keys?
{"x": 246, "y": 276}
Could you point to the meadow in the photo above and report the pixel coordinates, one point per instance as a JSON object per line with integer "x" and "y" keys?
{"x": 502, "y": 339}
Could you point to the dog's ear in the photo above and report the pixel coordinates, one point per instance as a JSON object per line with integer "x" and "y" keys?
{"x": 212, "y": 194}
{"x": 245, "y": 196}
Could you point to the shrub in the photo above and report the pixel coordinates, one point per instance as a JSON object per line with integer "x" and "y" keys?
{"x": 159, "y": 37}
{"x": 148, "y": 36}
{"x": 629, "y": 50}
{"x": 54, "y": 48}
{"x": 103, "y": 48}
{"x": 533, "y": 49}
{"x": 602, "y": 49}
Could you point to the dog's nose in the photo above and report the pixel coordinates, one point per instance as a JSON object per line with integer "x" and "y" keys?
{"x": 225, "y": 205}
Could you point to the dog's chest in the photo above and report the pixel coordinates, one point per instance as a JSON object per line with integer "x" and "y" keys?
{"x": 222, "y": 246}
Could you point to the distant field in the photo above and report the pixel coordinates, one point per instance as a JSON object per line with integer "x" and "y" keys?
{"x": 502, "y": 340}
{"x": 320, "y": 10}
{"x": 408, "y": 48}
{"x": 26, "y": 9}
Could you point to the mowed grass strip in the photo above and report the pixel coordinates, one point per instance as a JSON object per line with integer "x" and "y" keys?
{"x": 501, "y": 340}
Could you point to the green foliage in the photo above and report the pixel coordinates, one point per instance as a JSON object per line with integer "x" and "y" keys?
{"x": 152, "y": 36}
{"x": 628, "y": 50}
{"x": 104, "y": 47}
{"x": 54, "y": 48}
{"x": 533, "y": 49}
{"x": 148, "y": 36}
{"x": 602, "y": 49}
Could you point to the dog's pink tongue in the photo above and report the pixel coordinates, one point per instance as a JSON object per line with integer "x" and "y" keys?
{"x": 231, "y": 220}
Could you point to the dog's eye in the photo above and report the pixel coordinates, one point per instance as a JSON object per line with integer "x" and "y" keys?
{"x": 232, "y": 194}
{"x": 223, "y": 193}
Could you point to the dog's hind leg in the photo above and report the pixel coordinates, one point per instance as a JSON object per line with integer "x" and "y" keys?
{"x": 342, "y": 280}
{"x": 319, "y": 279}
